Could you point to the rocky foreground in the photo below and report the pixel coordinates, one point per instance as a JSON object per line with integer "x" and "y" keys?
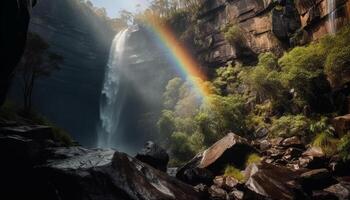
{"x": 33, "y": 166}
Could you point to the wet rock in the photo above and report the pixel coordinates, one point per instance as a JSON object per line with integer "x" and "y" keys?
{"x": 292, "y": 153}
{"x": 219, "y": 181}
{"x": 340, "y": 190}
{"x": 201, "y": 188}
{"x": 230, "y": 150}
{"x": 229, "y": 183}
{"x": 264, "y": 145}
{"x": 236, "y": 194}
{"x": 154, "y": 155}
{"x": 272, "y": 181}
{"x": 105, "y": 174}
{"x": 217, "y": 193}
{"x": 33, "y": 131}
{"x": 316, "y": 179}
{"x": 292, "y": 142}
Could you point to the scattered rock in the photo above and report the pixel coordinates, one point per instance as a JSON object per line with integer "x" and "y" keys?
{"x": 154, "y": 155}
{"x": 236, "y": 194}
{"x": 271, "y": 181}
{"x": 292, "y": 142}
{"x": 217, "y": 193}
{"x": 201, "y": 188}
{"x": 316, "y": 179}
{"x": 340, "y": 190}
{"x": 292, "y": 153}
{"x": 229, "y": 183}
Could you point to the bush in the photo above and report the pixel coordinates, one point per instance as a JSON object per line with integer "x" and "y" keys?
{"x": 253, "y": 159}
{"x": 290, "y": 125}
{"x": 344, "y": 147}
{"x": 181, "y": 148}
{"x": 233, "y": 34}
{"x": 234, "y": 173}
{"x": 338, "y": 65}
{"x": 326, "y": 142}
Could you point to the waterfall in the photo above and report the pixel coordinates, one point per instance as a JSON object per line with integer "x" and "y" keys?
{"x": 332, "y": 16}
{"x": 112, "y": 99}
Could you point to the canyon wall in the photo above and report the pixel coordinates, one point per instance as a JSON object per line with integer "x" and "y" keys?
{"x": 70, "y": 97}
{"x": 265, "y": 25}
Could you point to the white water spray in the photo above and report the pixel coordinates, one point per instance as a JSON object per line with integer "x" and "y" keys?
{"x": 332, "y": 16}
{"x": 111, "y": 105}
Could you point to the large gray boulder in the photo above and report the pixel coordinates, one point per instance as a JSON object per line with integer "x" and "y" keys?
{"x": 78, "y": 173}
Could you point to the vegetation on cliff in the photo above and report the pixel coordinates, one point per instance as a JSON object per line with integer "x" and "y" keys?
{"x": 281, "y": 97}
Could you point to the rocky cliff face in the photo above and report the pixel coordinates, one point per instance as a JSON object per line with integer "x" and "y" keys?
{"x": 70, "y": 97}
{"x": 14, "y": 19}
{"x": 265, "y": 25}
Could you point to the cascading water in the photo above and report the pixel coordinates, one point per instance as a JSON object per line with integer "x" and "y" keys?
{"x": 332, "y": 16}
{"x": 112, "y": 99}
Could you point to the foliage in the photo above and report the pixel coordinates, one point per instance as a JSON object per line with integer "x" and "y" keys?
{"x": 326, "y": 142}
{"x": 284, "y": 96}
{"x": 234, "y": 173}
{"x": 338, "y": 63}
{"x": 253, "y": 158}
{"x": 290, "y": 125}
{"x": 232, "y": 34}
{"x": 344, "y": 147}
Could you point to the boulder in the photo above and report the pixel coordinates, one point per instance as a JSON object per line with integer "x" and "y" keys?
{"x": 272, "y": 181}
{"x": 313, "y": 158}
{"x": 340, "y": 190}
{"x": 292, "y": 142}
{"x": 105, "y": 174}
{"x": 154, "y": 155}
{"x": 216, "y": 192}
{"x": 230, "y": 150}
{"x": 316, "y": 179}
{"x": 341, "y": 124}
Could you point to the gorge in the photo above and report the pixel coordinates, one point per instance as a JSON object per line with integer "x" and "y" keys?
{"x": 232, "y": 99}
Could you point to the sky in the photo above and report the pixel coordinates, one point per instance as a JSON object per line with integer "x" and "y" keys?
{"x": 114, "y": 6}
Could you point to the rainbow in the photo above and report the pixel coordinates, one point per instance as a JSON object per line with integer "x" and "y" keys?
{"x": 185, "y": 63}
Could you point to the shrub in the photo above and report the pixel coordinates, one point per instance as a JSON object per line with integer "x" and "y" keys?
{"x": 326, "y": 142}
{"x": 234, "y": 173}
{"x": 233, "y": 34}
{"x": 253, "y": 158}
{"x": 290, "y": 125}
{"x": 338, "y": 65}
{"x": 180, "y": 145}
{"x": 344, "y": 147}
